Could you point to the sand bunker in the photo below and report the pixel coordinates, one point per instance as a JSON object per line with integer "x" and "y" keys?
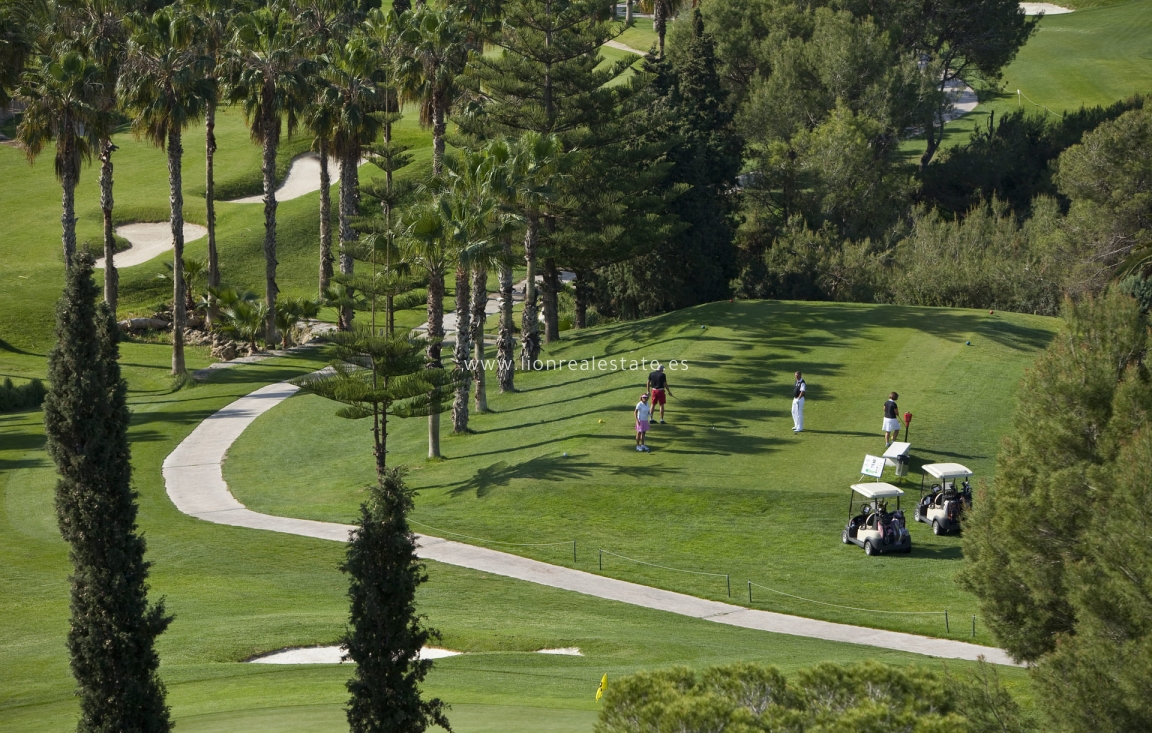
{"x": 149, "y": 239}
{"x": 331, "y": 655}
{"x": 1046, "y": 8}
{"x": 568, "y": 651}
{"x": 303, "y": 178}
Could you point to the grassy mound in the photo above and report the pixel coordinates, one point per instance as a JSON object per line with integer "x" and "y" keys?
{"x": 728, "y": 488}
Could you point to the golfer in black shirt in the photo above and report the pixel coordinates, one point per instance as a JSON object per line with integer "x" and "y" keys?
{"x": 891, "y": 419}
{"x": 658, "y": 385}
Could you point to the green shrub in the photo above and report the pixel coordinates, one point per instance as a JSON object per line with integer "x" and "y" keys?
{"x": 21, "y": 397}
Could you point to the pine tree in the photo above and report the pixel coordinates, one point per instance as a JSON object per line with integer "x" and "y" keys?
{"x": 385, "y": 635}
{"x": 114, "y": 628}
{"x": 547, "y": 79}
{"x": 696, "y": 264}
{"x": 1027, "y": 531}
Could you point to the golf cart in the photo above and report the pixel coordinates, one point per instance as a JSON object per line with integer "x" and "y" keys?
{"x": 875, "y": 528}
{"x": 943, "y": 504}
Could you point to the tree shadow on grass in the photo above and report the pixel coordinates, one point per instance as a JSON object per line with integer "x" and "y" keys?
{"x": 550, "y": 467}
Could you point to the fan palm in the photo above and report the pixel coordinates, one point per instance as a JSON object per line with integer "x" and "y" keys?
{"x": 211, "y": 37}
{"x": 350, "y": 89}
{"x": 323, "y": 21}
{"x": 15, "y": 46}
{"x": 165, "y": 87}
{"x": 471, "y": 207}
{"x": 437, "y": 44}
{"x": 661, "y": 11}
{"x": 535, "y": 163}
{"x": 268, "y": 75}
{"x": 63, "y": 98}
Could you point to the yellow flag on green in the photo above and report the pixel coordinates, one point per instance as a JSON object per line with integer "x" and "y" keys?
{"x": 603, "y": 686}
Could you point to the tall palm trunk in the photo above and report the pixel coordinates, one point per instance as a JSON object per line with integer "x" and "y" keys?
{"x": 660, "y": 24}
{"x": 210, "y": 204}
{"x": 69, "y": 177}
{"x": 325, "y": 218}
{"x": 505, "y": 369}
{"x": 462, "y": 351}
{"x": 551, "y": 301}
{"x": 435, "y": 335}
{"x": 628, "y": 11}
{"x": 349, "y": 178}
{"x": 439, "y": 129}
{"x": 479, "y": 316}
{"x": 176, "y": 201}
{"x": 111, "y": 276}
{"x": 271, "y": 134}
{"x": 529, "y": 326}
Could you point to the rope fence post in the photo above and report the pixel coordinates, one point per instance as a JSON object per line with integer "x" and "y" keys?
{"x": 728, "y": 578}
{"x": 749, "y": 592}
{"x": 573, "y": 550}
{"x": 947, "y": 628}
{"x": 601, "y": 559}
{"x": 973, "y": 627}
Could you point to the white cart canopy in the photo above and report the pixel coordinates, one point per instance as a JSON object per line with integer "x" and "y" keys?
{"x": 878, "y": 490}
{"x": 946, "y": 470}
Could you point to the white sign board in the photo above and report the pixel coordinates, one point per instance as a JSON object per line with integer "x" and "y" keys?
{"x": 873, "y": 466}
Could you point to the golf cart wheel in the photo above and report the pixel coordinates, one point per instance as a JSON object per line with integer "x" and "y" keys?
{"x": 918, "y": 516}
{"x": 868, "y": 549}
{"x": 936, "y": 528}
{"x": 844, "y": 536}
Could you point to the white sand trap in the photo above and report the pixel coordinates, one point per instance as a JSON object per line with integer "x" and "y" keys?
{"x": 568, "y": 651}
{"x": 1046, "y": 8}
{"x": 149, "y": 239}
{"x": 331, "y": 655}
{"x": 303, "y": 178}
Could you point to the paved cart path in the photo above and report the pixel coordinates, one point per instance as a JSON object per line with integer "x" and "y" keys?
{"x": 194, "y": 480}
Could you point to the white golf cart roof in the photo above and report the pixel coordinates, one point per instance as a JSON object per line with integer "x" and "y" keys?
{"x": 878, "y": 490}
{"x": 946, "y": 470}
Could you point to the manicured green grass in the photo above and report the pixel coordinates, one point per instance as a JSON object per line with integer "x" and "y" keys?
{"x": 237, "y": 592}
{"x": 727, "y": 488}
{"x": 640, "y": 36}
{"x": 1094, "y": 56}
{"x": 31, "y": 265}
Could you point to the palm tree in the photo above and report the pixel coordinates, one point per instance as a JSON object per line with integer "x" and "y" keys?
{"x": 63, "y": 98}
{"x": 323, "y": 21}
{"x": 661, "y": 11}
{"x": 98, "y": 30}
{"x": 268, "y": 75}
{"x": 437, "y": 47}
{"x": 473, "y": 208}
{"x": 351, "y": 91}
{"x": 211, "y": 37}
{"x": 534, "y": 165}
{"x": 165, "y": 87}
{"x": 427, "y": 245}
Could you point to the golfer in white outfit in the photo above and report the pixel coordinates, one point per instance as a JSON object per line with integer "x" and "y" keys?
{"x": 798, "y": 404}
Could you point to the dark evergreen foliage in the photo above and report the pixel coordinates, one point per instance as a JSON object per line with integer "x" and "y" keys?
{"x": 113, "y": 629}
{"x": 385, "y": 635}
{"x": 21, "y": 397}
{"x": 1010, "y": 160}
{"x": 696, "y": 264}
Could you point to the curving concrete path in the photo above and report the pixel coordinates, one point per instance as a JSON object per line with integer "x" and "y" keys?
{"x": 195, "y": 483}
{"x": 149, "y": 239}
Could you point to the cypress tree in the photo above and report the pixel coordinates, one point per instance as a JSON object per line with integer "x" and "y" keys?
{"x": 113, "y": 629}
{"x": 385, "y": 634}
